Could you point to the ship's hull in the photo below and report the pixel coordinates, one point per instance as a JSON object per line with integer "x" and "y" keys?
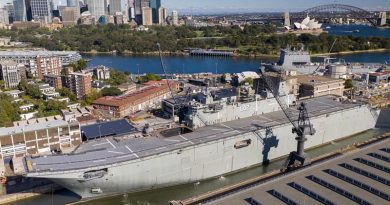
{"x": 212, "y": 159}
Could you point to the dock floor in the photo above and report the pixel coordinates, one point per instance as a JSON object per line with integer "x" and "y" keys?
{"x": 360, "y": 176}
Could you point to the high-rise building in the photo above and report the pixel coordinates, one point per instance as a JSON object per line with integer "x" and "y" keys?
{"x": 70, "y": 15}
{"x": 116, "y": 6}
{"x": 11, "y": 11}
{"x": 20, "y": 10}
{"x": 155, "y": 5}
{"x": 47, "y": 65}
{"x": 10, "y": 73}
{"x": 80, "y": 83}
{"x": 175, "y": 18}
{"x": 147, "y": 16}
{"x": 42, "y": 10}
{"x": 162, "y": 16}
{"x": 97, "y": 8}
{"x": 138, "y": 5}
{"x": 73, "y": 3}
{"x": 287, "y": 21}
{"x": 4, "y": 19}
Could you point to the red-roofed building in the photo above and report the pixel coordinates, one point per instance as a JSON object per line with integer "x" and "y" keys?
{"x": 378, "y": 77}
{"x": 122, "y": 106}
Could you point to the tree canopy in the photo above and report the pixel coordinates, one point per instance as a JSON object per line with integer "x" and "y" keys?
{"x": 251, "y": 40}
{"x": 112, "y": 91}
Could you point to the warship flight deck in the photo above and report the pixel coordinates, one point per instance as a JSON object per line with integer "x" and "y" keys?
{"x": 113, "y": 151}
{"x": 360, "y": 176}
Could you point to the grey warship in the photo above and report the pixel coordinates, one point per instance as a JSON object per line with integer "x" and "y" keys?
{"x": 225, "y": 133}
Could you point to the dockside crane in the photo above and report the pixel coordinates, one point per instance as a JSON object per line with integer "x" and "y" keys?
{"x": 302, "y": 127}
{"x": 179, "y": 104}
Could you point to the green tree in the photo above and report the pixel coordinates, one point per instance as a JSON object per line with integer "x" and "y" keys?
{"x": 22, "y": 85}
{"x": 117, "y": 78}
{"x": 112, "y": 91}
{"x": 65, "y": 92}
{"x": 8, "y": 111}
{"x": 33, "y": 91}
{"x": 348, "y": 84}
{"x": 92, "y": 96}
{"x": 247, "y": 80}
{"x": 149, "y": 77}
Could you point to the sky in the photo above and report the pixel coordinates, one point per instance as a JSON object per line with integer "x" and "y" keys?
{"x": 219, "y": 6}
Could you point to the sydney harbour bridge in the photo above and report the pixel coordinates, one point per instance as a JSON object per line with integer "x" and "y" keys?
{"x": 325, "y": 13}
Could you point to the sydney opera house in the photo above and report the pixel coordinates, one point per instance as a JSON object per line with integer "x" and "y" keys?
{"x": 308, "y": 25}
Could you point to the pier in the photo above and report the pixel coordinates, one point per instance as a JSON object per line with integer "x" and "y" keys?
{"x": 210, "y": 52}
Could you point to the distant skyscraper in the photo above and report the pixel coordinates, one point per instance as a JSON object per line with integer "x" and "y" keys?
{"x": 11, "y": 11}
{"x": 287, "y": 21}
{"x": 155, "y": 5}
{"x": 42, "y": 9}
{"x": 147, "y": 17}
{"x": 175, "y": 18}
{"x": 116, "y": 6}
{"x": 162, "y": 16}
{"x": 139, "y": 4}
{"x": 70, "y": 15}
{"x": 97, "y": 8}
{"x": 4, "y": 16}
{"x": 20, "y": 10}
{"x": 73, "y": 3}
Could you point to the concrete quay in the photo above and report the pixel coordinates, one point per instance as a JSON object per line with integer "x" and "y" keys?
{"x": 362, "y": 167}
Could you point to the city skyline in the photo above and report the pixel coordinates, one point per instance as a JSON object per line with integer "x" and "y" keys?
{"x": 255, "y": 5}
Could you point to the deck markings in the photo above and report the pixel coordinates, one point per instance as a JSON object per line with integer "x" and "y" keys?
{"x": 160, "y": 148}
{"x": 218, "y": 129}
{"x": 131, "y": 151}
{"x": 172, "y": 140}
{"x": 100, "y": 144}
{"x": 111, "y": 143}
{"x": 186, "y": 139}
{"x": 97, "y": 161}
{"x": 115, "y": 152}
{"x": 212, "y": 136}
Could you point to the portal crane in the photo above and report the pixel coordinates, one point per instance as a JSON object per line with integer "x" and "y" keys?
{"x": 179, "y": 104}
{"x": 301, "y": 128}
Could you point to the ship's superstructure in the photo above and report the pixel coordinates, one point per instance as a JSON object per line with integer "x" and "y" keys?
{"x": 299, "y": 60}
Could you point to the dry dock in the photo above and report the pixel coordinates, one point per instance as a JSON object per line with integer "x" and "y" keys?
{"x": 357, "y": 174}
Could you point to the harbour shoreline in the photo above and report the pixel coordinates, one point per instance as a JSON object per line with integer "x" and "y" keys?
{"x": 181, "y": 53}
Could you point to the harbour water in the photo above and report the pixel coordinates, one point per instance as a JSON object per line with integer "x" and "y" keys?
{"x": 196, "y": 64}
{"x": 358, "y": 30}
{"x": 162, "y": 196}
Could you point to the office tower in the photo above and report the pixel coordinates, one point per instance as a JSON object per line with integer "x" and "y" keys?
{"x": 4, "y": 19}
{"x": 287, "y": 21}
{"x": 41, "y": 9}
{"x": 147, "y": 16}
{"x": 139, "y": 4}
{"x": 175, "y": 18}
{"x": 70, "y": 15}
{"x": 20, "y": 11}
{"x": 11, "y": 11}
{"x": 131, "y": 9}
{"x": 115, "y": 6}
{"x": 10, "y": 73}
{"x": 73, "y": 3}
{"x": 155, "y": 5}
{"x": 97, "y": 8}
{"x": 162, "y": 16}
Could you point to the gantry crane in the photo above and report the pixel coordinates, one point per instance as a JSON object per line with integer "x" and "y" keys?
{"x": 301, "y": 127}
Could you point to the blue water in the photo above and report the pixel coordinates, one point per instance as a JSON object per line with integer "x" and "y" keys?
{"x": 365, "y": 31}
{"x": 191, "y": 64}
